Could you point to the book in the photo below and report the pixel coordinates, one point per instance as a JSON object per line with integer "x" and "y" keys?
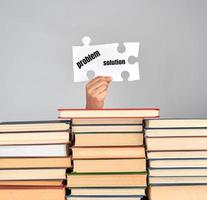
{"x": 32, "y": 174}
{"x": 176, "y": 149}
{"x": 34, "y": 138}
{"x": 108, "y": 113}
{"x": 176, "y": 154}
{"x": 178, "y": 163}
{"x": 108, "y": 152}
{"x": 107, "y": 121}
{"x": 31, "y": 183}
{"x": 176, "y": 143}
{"x": 107, "y": 180}
{"x": 178, "y": 172}
{"x": 106, "y": 128}
{"x": 53, "y": 150}
{"x": 176, "y": 132}
{"x": 23, "y": 163}
{"x": 176, "y": 123}
{"x": 34, "y": 193}
{"x": 103, "y": 197}
{"x": 109, "y": 165}
{"x": 108, "y": 191}
{"x": 31, "y": 126}
{"x": 177, "y": 180}
{"x": 108, "y": 139}
{"x": 185, "y": 192}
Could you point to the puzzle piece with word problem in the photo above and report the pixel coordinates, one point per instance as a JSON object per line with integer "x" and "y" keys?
{"x": 105, "y": 60}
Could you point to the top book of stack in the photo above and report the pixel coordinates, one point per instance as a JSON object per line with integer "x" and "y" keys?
{"x": 176, "y": 123}
{"x": 109, "y": 113}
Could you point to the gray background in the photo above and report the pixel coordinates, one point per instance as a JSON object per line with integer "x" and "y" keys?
{"x": 36, "y": 37}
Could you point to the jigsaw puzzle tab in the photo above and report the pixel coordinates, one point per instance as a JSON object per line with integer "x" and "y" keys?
{"x": 104, "y": 60}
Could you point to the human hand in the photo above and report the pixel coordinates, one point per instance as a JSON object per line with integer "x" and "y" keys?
{"x": 96, "y": 92}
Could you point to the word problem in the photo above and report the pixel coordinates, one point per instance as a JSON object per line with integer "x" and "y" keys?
{"x": 96, "y": 54}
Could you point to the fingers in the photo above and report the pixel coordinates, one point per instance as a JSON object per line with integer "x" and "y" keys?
{"x": 108, "y": 79}
{"x": 101, "y": 96}
{"x": 98, "y": 79}
{"x": 93, "y": 81}
{"x": 100, "y": 89}
{"x": 96, "y": 91}
{"x": 97, "y": 84}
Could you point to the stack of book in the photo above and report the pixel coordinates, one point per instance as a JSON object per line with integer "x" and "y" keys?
{"x": 33, "y": 160}
{"x": 108, "y": 153}
{"x": 177, "y": 153}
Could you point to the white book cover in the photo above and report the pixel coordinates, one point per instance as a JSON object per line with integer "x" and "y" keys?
{"x": 33, "y": 151}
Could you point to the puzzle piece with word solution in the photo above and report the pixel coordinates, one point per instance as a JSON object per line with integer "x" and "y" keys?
{"x": 105, "y": 60}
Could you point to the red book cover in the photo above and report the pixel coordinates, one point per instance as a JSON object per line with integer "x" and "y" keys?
{"x": 66, "y": 113}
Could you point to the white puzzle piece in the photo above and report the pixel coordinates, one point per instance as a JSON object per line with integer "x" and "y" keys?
{"x": 104, "y": 60}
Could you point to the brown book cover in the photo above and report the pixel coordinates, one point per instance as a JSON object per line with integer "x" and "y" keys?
{"x": 107, "y": 180}
{"x": 176, "y": 155}
{"x": 108, "y": 139}
{"x": 32, "y": 183}
{"x": 178, "y": 180}
{"x": 108, "y": 152}
{"x": 44, "y": 162}
{"x": 114, "y": 191}
{"x": 176, "y": 143}
{"x": 32, "y": 193}
{"x": 185, "y": 192}
{"x": 51, "y": 137}
{"x": 176, "y": 123}
{"x": 106, "y": 121}
{"x": 109, "y": 165}
{"x": 32, "y": 174}
{"x": 34, "y": 126}
{"x": 107, "y": 128}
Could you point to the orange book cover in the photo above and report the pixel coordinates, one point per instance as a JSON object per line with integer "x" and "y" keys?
{"x": 32, "y": 192}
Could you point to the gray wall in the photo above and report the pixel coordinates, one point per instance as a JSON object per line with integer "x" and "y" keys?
{"x": 36, "y": 59}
